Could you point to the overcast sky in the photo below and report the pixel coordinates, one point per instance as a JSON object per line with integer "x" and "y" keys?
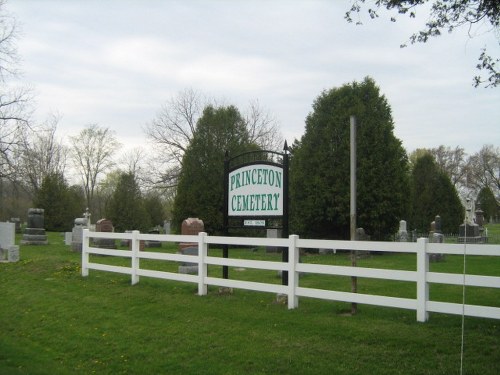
{"x": 115, "y": 63}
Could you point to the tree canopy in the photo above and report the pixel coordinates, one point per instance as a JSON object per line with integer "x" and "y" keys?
{"x": 432, "y": 193}
{"x": 200, "y": 189}
{"x": 125, "y": 207}
{"x": 446, "y": 15}
{"x": 62, "y": 204}
{"x": 320, "y": 166}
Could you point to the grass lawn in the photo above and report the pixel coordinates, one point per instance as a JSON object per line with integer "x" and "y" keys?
{"x": 53, "y": 321}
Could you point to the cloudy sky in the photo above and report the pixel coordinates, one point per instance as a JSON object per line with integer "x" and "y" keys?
{"x": 115, "y": 63}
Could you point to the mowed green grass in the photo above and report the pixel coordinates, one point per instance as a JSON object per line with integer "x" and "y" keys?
{"x": 54, "y": 321}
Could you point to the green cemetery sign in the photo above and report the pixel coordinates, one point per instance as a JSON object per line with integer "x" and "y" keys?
{"x": 256, "y": 190}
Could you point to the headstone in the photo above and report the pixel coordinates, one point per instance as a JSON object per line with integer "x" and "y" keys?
{"x": 7, "y": 235}
{"x": 77, "y": 233}
{"x": 68, "y": 238}
{"x": 150, "y": 243}
{"x": 34, "y": 234}
{"x": 166, "y": 227}
{"x": 360, "y": 235}
{"x": 273, "y": 233}
{"x": 17, "y": 222}
{"x": 469, "y": 233}
{"x": 13, "y": 253}
{"x": 190, "y": 226}
{"x": 105, "y": 225}
{"x": 436, "y": 236}
{"x": 402, "y": 235}
{"x": 186, "y": 267}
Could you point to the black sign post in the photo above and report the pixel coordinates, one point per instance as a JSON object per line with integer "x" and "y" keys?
{"x": 256, "y": 195}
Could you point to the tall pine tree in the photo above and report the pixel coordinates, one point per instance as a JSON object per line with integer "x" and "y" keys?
{"x": 320, "y": 166}
{"x": 200, "y": 190}
{"x": 432, "y": 193}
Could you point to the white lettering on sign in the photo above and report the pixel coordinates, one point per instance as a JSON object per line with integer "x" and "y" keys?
{"x": 256, "y": 190}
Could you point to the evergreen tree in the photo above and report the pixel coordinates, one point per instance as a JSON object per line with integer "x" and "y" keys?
{"x": 154, "y": 209}
{"x": 432, "y": 193}
{"x": 126, "y": 207}
{"x": 488, "y": 204}
{"x": 62, "y": 204}
{"x": 320, "y": 166}
{"x": 200, "y": 191}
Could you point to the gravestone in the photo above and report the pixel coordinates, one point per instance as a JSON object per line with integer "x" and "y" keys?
{"x": 77, "y": 233}
{"x": 68, "y": 238}
{"x": 105, "y": 225}
{"x": 34, "y": 234}
{"x": 187, "y": 267}
{"x": 273, "y": 233}
{"x": 151, "y": 243}
{"x": 7, "y": 240}
{"x": 402, "y": 235}
{"x": 436, "y": 236}
{"x": 190, "y": 226}
{"x": 166, "y": 227}
{"x": 17, "y": 222}
{"x": 7, "y": 235}
{"x": 469, "y": 233}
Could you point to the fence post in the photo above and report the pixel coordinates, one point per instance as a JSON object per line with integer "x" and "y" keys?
{"x": 422, "y": 285}
{"x": 85, "y": 253}
{"x": 202, "y": 265}
{"x": 293, "y": 276}
{"x": 136, "y": 244}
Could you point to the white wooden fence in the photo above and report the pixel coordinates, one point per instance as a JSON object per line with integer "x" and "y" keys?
{"x": 422, "y": 276}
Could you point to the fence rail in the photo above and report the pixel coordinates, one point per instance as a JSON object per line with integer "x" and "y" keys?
{"x": 422, "y": 277}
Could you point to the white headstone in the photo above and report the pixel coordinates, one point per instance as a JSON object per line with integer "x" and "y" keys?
{"x": 13, "y": 255}
{"x": 7, "y": 235}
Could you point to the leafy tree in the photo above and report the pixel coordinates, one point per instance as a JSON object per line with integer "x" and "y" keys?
{"x": 200, "y": 189}
{"x": 126, "y": 207}
{"x": 41, "y": 154}
{"x": 92, "y": 153}
{"x": 62, "y": 204}
{"x": 320, "y": 166}
{"x": 432, "y": 193}
{"x": 446, "y": 15}
{"x": 488, "y": 204}
{"x": 15, "y": 100}
{"x": 154, "y": 208}
{"x": 484, "y": 169}
{"x": 173, "y": 128}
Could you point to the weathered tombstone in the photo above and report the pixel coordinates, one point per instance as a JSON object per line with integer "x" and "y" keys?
{"x": 17, "y": 222}
{"x": 7, "y": 235}
{"x": 402, "y": 235}
{"x": 469, "y": 233}
{"x": 166, "y": 227}
{"x": 13, "y": 253}
{"x": 68, "y": 238}
{"x": 34, "y": 234}
{"x": 436, "y": 236}
{"x": 273, "y": 233}
{"x": 77, "y": 233}
{"x": 360, "y": 235}
{"x": 190, "y": 226}
{"x": 105, "y": 225}
{"x": 187, "y": 267}
{"x": 150, "y": 243}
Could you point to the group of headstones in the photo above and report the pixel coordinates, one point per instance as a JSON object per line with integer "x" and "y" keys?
{"x": 473, "y": 231}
